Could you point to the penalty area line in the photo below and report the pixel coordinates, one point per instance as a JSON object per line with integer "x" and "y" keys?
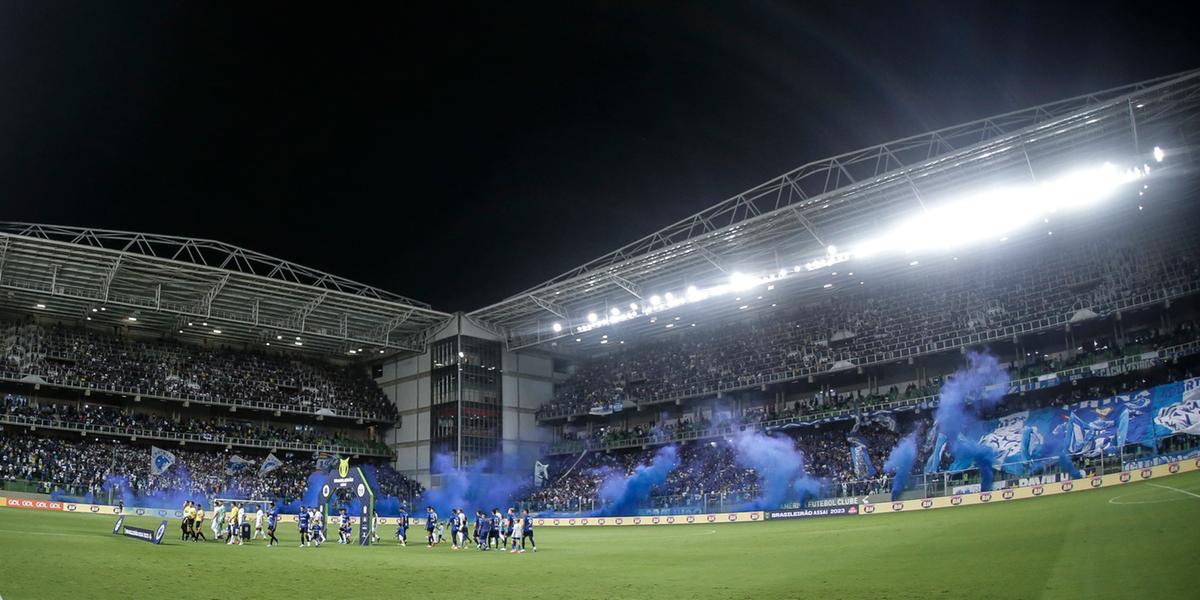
{"x": 1175, "y": 489}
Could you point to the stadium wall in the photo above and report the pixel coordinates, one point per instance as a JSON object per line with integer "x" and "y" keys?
{"x": 527, "y": 382}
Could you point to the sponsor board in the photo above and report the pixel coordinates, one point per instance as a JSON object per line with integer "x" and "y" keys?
{"x": 154, "y": 536}
{"x": 805, "y": 513}
{"x": 635, "y": 521}
{"x": 33, "y": 503}
{"x": 1034, "y": 491}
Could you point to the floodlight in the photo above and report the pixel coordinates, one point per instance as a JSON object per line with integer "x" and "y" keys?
{"x": 557, "y": 327}
{"x": 1158, "y": 154}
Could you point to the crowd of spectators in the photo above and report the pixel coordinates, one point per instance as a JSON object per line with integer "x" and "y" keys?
{"x": 708, "y": 466}
{"x": 165, "y": 367}
{"x": 110, "y": 418}
{"x": 887, "y": 321}
{"x": 98, "y": 467}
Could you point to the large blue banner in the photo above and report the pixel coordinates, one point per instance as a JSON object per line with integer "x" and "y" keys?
{"x": 1089, "y": 428}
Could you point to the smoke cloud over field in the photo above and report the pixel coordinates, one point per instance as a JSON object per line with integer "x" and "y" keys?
{"x": 900, "y": 463}
{"x": 780, "y": 468}
{"x": 970, "y": 391}
{"x": 623, "y": 495}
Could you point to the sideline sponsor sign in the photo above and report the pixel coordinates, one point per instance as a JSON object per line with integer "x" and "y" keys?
{"x": 32, "y": 503}
{"x": 1035, "y": 491}
{"x": 154, "y": 536}
{"x": 701, "y": 519}
{"x": 819, "y": 511}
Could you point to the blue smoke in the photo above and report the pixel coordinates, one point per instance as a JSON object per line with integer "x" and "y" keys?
{"x": 900, "y": 463}
{"x": 484, "y": 485}
{"x": 623, "y": 495}
{"x": 964, "y": 395}
{"x": 780, "y": 469}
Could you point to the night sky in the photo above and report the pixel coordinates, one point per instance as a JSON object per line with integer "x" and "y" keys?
{"x": 462, "y": 155}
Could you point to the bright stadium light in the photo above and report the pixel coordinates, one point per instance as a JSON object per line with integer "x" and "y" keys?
{"x": 740, "y": 282}
{"x": 615, "y": 311}
{"x": 1158, "y": 154}
{"x": 986, "y": 214}
{"x": 39, "y": 305}
{"x": 995, "y": 213}
{"x": 557, "y": 327}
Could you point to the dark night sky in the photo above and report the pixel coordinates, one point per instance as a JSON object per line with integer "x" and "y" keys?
{"x": 461, "y": 155}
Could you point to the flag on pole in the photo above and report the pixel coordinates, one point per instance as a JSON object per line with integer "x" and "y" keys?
{"x": 236, "y": 464}
{"x": 326, "y": 462}
{"x": 541, "y": 473}
{"x": 270, "y": 463}
{"x": 160, "y": 460}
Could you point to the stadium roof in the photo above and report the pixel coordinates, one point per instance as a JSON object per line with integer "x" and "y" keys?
{"x": 784, "y": 223}
{"x": 201, "y": 289}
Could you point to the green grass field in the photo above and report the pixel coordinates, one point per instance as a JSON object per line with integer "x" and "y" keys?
{"x": 1140, "y": 540}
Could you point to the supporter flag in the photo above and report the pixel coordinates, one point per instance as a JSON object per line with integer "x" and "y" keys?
{"x": 886, "y": 419}
{"x": 934, "y": 464}
{"x": 270, "y": 463}
{"x": 541, "y": 473}
{"x": 236, "y": 464}
{"x": 160, "y": 460}
{"x": 326, "y": 462}
{"x": 859, "y": 457}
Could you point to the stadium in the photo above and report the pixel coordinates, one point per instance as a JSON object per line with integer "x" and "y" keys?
{"x": 964, "y": 361}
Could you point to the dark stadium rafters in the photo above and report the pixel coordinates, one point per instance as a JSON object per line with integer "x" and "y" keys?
{"x": 791, "y": 218}
{"x": 201, "y": 288}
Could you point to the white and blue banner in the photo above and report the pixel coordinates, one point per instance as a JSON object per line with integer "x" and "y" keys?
{"x": 859, "y": 457}
{"x": 270, "y": 463}
{"x": 1090, "y": 428}
{"x": 160, "y": 460}
{"x": 236, "y": 465}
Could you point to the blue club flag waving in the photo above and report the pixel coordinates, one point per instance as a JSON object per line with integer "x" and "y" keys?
{"x": 160, "y": 460}
{"x": 236, "y": 465}
{"x": 270, "y": 463}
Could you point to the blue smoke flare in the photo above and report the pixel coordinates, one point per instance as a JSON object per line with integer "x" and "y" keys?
{"x": 900, "y": 463}
{"x": 964, "y": 395}
{"x": 780, "y": 469}
{"x": 623, "y": 495}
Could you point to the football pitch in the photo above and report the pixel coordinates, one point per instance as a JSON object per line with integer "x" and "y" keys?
{"x": 1137, "y": 540}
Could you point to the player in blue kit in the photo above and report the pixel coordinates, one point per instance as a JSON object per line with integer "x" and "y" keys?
{"x": 272, "y": 523}
{"x": 454, "y": 529}
{"x": 431, "y": 522}
{"x": 302, "y": 522}
{"x": 402, "y": 528}
{"x": 493, "y": 528}
{"x": 527, "y": 531}
{"x": 483, "y": 529}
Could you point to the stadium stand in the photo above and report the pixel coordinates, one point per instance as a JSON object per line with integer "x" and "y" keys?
{"x": 970, "y": 304}
{"x": 169, "y": 369}
{"x": 709, "y": 477}
{"x": 83, "y": 467}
